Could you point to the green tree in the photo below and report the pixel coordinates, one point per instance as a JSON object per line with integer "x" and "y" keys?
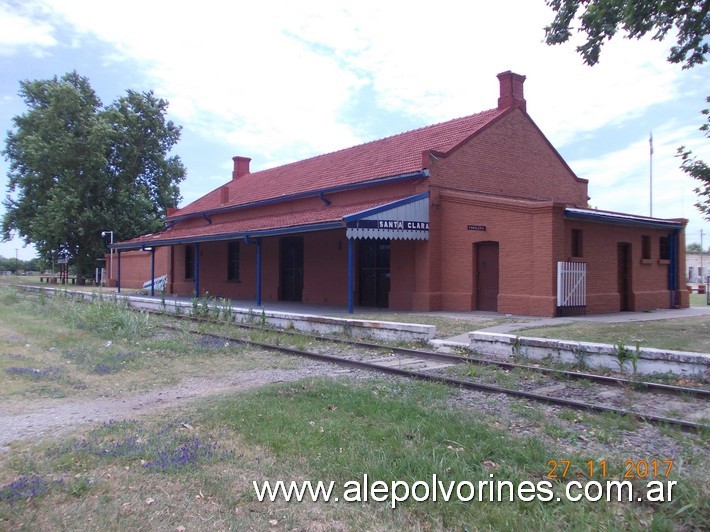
{"x": 602, "y": 19}
{"x": 77, "y": 168}
{"x": 11, "y": 264}
{"x": 699, "y": 170}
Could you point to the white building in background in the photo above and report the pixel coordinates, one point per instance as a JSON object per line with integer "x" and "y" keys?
{"x": 698, "y": 265}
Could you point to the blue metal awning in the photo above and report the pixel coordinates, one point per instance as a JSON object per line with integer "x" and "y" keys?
{"x": 405, "y": 219}
{"x": 589, "y": 215}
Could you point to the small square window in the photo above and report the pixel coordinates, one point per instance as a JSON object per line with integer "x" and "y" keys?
{"x": 577, "y": 247}
{"x": 189, "y": 262}
{"x": 664, "y": 248}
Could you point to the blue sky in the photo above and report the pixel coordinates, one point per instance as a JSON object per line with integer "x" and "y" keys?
{"x": 279, "y": 81}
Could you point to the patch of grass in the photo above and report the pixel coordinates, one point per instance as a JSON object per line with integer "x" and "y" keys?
{"x": 170, "y": 447}
{"x": 194, "y": 468}
{"x": 682, "y": 334}
{"x": 110, "y": 319}
{"x": 119, "y": 472}
{"x": 527, "y": 411}
{"x": 609, "y": 427}
{"x": 393, "y": 431}
{"x": 44, "y": 380}
{"x": 51, "y": 373}
{"x": 558, "y": 431}
{"x": 698, "y": 300}
{"x": 104, "y": 360}
{"x": 57, "y": 347}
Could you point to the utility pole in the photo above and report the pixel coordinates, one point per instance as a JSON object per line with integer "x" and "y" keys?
{"x": 17, "y": 262}
{"x": 650, "y": 173}
{"x": 110, "y": 233}
{"x": 702, "y": 252}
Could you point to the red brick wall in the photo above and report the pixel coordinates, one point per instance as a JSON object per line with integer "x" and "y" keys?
{"x": 510, "y": 158}
{"x": 649, "y": 277}
{"x": 403, "y": 273}
{"x": 480, "y": 183}
{"x": 524, "y": 232}
{"x": 135, "y": 267}
{"x": 325, "y": 268}
{"x": 532, "y": 238}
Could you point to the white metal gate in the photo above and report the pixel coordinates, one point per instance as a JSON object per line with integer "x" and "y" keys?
{"x": 571, "y": 288}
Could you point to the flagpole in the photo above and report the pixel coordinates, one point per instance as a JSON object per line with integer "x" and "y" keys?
{"x": 650, "y": 173}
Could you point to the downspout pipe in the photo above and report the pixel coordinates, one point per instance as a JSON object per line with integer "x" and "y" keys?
{"x": 673, "y": 240}
{"x": 152, "y": 271}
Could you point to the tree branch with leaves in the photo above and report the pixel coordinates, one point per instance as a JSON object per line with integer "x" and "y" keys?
{"x": 698, "y": 169}
{"x": 77, "y": 168}
{"x": 600, "y": 20}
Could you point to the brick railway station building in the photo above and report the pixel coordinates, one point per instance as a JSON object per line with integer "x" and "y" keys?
{"x": 477, "y": 213}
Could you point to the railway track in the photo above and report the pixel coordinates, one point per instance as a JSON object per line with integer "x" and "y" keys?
{"x": 615, "y": 395}
{"x": 685, "y": 407}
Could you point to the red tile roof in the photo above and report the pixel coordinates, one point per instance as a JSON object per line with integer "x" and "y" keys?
{"x": 388, "y": 157}
{"x": 251, "y": 226}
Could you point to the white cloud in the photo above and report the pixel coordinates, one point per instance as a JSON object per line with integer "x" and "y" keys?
{"x": 20, "y": 30}
{"x": 620, "y": 180}
{"x": 276, "y": 80}
{"x": 274, "y": 77}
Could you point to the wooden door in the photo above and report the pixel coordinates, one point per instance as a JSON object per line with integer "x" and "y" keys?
{"x": 291, "y": 268}
{"x": 624, "y": 275}
{"x": 486, "y": 281}
{"x": 374, "y": 273}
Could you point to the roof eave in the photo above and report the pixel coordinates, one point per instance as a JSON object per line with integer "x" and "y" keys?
{"x": 238, "y": 235}
{"x": 619, "y": 219}
{"x": 419, "y": 174}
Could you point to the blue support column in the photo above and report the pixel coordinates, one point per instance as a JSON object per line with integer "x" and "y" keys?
{"x": 197, "y": 269}
{"x": 351, "y": 276}
{"x": 673, "y": 241}
{"x": 258, "y": 272}
{"x": 152, "y": 271}
{"x": 118, "y": 279}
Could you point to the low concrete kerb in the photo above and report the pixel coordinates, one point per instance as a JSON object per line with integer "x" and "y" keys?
{"x": 352, "y": 327}
{"x": 380, "y": 330}
{"x": 647, "y": 360}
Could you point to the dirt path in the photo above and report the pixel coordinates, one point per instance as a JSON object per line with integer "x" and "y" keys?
{"x": 38, "y": 419}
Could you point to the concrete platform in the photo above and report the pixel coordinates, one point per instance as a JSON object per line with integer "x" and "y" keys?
{"x": 289, "y": 316}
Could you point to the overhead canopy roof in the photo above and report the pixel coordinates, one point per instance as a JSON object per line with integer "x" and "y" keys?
{"x": 591, "y": 215}
{"x": 359, "y": 217}
{"x": 407, "y": 219}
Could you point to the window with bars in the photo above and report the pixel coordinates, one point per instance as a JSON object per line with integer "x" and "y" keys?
{"x": 189, "y": 262}
{"x": 664, "y": 248}
{"x": 577, "y": 243}
{"x": 646, "y": 247}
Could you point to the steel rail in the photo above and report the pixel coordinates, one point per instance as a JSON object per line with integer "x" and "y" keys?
{"x": 465, "y": 359}
{"x": 579, "y": 405}
{"x": 562, "y": 374}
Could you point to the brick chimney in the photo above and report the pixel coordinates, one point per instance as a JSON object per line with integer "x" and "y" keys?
{"x": 511, "y": 91}
{"x": 241, "y": 166}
